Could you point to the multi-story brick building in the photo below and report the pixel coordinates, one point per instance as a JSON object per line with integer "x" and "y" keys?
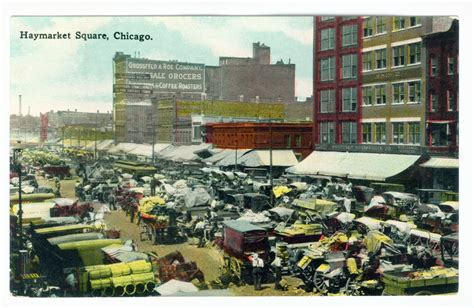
{"x": 337, "y": 79}
{"x": 441, "y": 73}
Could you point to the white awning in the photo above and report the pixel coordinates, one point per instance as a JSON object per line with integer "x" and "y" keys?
{"x": 363, "y": 166}
{"x": 257, "y": 158}
{"x": 441, "y": 163}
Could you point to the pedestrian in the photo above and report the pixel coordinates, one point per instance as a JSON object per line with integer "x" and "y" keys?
{"x": 276, "y": 265}
{"x": 131, "y": 209}
{"x": 257, "y": 271}
{"x": 199, "y": 231}
{"x": 111, "y": 200}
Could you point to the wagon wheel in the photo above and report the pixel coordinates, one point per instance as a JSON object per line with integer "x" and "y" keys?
{"x": 352, "y": 288}
{"x": 143, "y": 231}
{"x": 319, "y": 282}
{"x": 423, "y": 293}
{"x": 235, "y": 268}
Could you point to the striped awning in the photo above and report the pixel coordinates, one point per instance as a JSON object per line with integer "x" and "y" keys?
{"x": 441, "y": 163}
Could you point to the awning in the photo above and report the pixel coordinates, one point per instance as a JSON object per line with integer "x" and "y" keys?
{"x": 440, "y": 121}
{"x": 441, "y": 163}
{"x": 258, "y": 158}
{"x": 362, "y": 166}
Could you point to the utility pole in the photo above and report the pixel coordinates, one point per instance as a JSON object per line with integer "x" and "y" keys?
{"x": 153, "y": 123}
{"x": 271, "y": 162}
{"x": 95, "y": 135}
{"x": 16, "y": 154}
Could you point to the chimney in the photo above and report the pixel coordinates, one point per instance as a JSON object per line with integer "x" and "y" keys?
{"x": 19, "y": 109}
{"x": 28, "y": 110}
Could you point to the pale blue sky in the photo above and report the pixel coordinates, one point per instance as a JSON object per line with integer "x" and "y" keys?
{"x": 62, "y": 74}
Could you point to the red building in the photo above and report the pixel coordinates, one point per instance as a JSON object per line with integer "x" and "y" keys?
{"x": 337, "y": 79}
{"x": 297, "y": 137}
{"x": 442, "y": 50}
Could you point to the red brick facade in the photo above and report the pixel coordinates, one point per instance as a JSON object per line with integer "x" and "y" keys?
{"x": 338, "y": 116}
{"x": 257, "y": 136}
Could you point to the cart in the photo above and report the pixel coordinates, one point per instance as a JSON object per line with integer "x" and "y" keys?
{"x": 433, "y": 281}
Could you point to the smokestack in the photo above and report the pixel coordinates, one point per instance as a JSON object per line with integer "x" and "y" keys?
{"x": 19, "y": 109}
{"x": 28, "y": 110}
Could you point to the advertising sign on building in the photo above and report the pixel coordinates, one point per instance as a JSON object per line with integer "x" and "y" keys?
{"x": 166, "y": 76}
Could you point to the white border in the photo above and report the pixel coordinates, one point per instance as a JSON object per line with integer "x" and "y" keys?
{"x": 462, "y": 8}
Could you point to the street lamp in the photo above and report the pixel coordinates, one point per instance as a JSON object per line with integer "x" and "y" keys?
{"x": 17, "y": 168}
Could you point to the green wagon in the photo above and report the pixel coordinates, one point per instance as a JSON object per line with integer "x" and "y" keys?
{"x": 401, "y": 283}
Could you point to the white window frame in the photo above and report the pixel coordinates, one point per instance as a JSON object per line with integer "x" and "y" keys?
{"x": 352, "y": 99}
{"x": 380, "y": 51}
{"x": 409, "y": 92}
{"x": 352, "y": 34}
{"x": 403, "y": 93}
{"x": 381, "y": 86}
{"x": 371, "y": 96}
{"x": 403, "y": 55}
{"x": 331, "y": 100}
{"x": 353, "y": 65}
{"x": 330, "y": 39}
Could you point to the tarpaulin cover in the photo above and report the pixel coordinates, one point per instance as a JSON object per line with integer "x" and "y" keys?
{"x": 374, "y": 240}
{"x": 175, "y": 287}
{"x": 318, "y": 205}
{"x": 279, "y": 191}
{"x": 199, "y": 196}
{"x": 257, "y": 158}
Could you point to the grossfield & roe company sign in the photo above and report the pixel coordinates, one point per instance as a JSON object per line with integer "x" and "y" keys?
{"x": 167, "y": 76}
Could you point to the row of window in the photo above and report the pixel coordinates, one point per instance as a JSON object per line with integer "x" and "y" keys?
{"x": 450, "y": 101}
{"x": 402, "y": 133}
{"x": 331, "y": 18}
{"x": 377, "y": 95}
{"x": 377, "y": 59}
{"x": 349, "y": 37}
{"x": 377, "y": 25}
{"x": 327, "y": 132}
{"x": 434, "y": 67}
{"x": 327, "y": 100}
{"x": 327, "y": 67}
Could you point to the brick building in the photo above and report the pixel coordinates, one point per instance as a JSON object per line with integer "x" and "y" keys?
{"x": 337, "y": 79}
{"x": 295, "y": 136}
{"x": 442, "y": 75}
{"x": 251, "y": 79}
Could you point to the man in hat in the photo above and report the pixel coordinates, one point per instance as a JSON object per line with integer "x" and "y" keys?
{"x": 257, "y": 271}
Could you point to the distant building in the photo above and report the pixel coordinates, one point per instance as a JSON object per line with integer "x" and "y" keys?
{"x": 252, "y": 79}
{"x": 295, "y": 136}
{"x": 24, "y": 128}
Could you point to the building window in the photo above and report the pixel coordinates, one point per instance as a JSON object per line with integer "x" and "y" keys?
{"x": 398, "y": 23}
{"x": 398, "y": 136}
{"x": 414, "y": 91}
{"x": 415, "y": 53}
{"x": 349, "y": 66}
{"x": 367, "y": 94}
{"x": 327, "y": 101}
{"x": 367, "y": 132}
{"x": 398, "y": 90}
{"x": 433, "y": 102}
{"x": 349, "y": 132}
{"x": 450, "y": 65}
{"x": 367, "y": 61}
{"x": 451, "y": 100}
{"x": 398, "y": 56}
{"x": 298, "y": 141}
{"x": 349, "y": 35}
{"x": 415, "y": 21}
{"x": 380, "y": 25}
{"x": 439, "y": 135}
{"x": 380, "y": 136}
{"x": 381, "y": 58}
{"x": 327, "y": 39}
{"x": 327, "y": 132}
{"x": 368, "y": 27}
{"x": 349, "y": 96}
{"x": 287, "y": 141}
{"x": 433, "y": 66}
{"x": 348, "y": 17}
{"x": 414, "y": 132}
{"x": 327, "y": 18}
{"x": 380, "y": 98}
{"x": 327, "y": 69}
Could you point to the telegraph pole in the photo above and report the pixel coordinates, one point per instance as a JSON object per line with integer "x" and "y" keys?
{"x": 95, "y": 135}
{"x": 271, "y": 162}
